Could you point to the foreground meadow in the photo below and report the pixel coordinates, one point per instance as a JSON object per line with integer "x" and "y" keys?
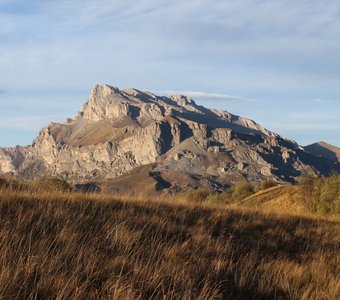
{"x": 74, "y": 246}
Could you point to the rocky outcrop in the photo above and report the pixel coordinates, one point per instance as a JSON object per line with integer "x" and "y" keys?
{"x": 117, "y": 131}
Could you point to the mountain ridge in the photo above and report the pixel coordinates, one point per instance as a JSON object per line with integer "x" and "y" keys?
{"x": 324, "y": 149}
{"x": 117, "y": 131}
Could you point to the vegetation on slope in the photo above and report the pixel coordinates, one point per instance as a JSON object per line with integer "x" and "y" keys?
{"x": 56, "y": 245}
{"x": 319, "y": 195}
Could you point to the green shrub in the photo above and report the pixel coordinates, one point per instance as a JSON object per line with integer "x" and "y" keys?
{"x": 321, "y": 195}
{"x": 329, "y": 195}
{"x": 308, "y": 188}
{"x": 241, "y": 190}
{"x": 50, "y": 183}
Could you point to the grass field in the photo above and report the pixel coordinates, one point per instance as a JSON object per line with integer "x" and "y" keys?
{"x": 74, "y": 246}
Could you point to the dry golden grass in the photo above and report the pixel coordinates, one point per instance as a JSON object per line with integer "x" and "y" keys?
{"x": 73, "y": 246}
{"x": 282, "y": 198}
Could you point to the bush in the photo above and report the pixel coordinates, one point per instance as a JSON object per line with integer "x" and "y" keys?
{"x": 267, "y": 183}
{"x": 241, "y": 190}
{"x": 309, "y": 188}
{"x": 329, "y": 195}
{"x": 50, "y": 183}
{"x": 320, "y": 194}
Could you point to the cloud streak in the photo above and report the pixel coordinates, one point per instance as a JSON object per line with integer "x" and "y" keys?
{"x": 322, "y": 101}
{"x": 203, "y": 95}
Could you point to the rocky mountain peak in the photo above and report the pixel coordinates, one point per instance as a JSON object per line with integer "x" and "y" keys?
{"x": 99, "y": 91}
{"x": 119, "y": 131}
{"x": 104, "y": 102}
{"x": 183, "y": 100}
{"x": 108, "y": 102}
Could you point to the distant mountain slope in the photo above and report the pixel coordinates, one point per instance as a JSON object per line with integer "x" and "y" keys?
{"x": 325, "y": 150}
{"x": 118, "y": 131}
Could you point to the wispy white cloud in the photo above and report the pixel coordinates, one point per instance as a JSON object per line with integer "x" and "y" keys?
{"x": 204, "y": 95}
{"x": 322, "y": 101}
{"x": 276, "y": 37}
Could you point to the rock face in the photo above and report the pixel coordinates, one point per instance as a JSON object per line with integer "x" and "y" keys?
{"x": 117, "y": 131}
{"x": 324, "y": 149}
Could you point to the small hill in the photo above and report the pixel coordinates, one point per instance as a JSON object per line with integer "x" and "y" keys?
{"x": 280, "y": 198}
{"x": 324, "y": 149}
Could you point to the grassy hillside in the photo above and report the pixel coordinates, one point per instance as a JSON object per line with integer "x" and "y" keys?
{"x": 311, "y": 196}
{"x": 73, "y": 246}
{"x": 283, "y": 198}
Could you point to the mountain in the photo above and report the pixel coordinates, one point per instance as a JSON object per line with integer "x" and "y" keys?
{"x": 166, "y": 142}
{"x": 324, "y": 150}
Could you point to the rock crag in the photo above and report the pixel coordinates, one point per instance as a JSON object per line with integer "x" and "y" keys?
{"x": 180, "y": 143}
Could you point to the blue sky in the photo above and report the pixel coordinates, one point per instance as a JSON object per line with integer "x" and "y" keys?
{"x": 274, "y": 61}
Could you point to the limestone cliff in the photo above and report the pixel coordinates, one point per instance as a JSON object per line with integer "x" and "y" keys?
{"x": 118, "y": 131}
